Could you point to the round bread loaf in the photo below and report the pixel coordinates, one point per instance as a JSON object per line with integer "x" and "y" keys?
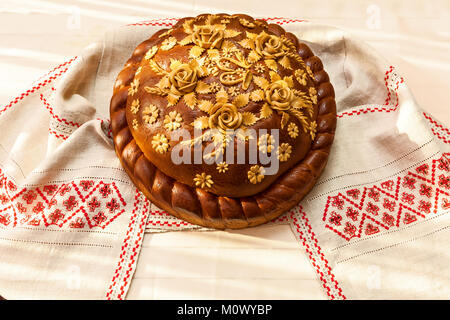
{"x": 223, "y": 120}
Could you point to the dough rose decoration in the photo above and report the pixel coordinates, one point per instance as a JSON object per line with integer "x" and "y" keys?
{"x": 224, "y": 116}
{"x": 211, "y": 35}
{"x": 269, "y": 48}
{"x": 208, "y": 37}
{"x": 280, "y": 96}
{"x": 182, "y": 80}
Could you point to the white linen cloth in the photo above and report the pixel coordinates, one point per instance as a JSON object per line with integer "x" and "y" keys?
{"x": 71, "y": 222}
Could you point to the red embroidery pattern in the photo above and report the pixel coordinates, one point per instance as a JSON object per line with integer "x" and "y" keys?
{"x": 49, "y": 77}
{"x": 57, "y": 135}
{"x": 437, "y": 129}
{"x": 134, "y": 251}
{"x": 76, "y": 204}
{"x": 395, "y": 202}
{"x": 302, "y": 228}
{"x": 282, "y": 21}
{"x": 130, "y": 249}
{"x": 55, "y": 116}
{"x": 164, "y": 22}
{"x": 392, "y": 82}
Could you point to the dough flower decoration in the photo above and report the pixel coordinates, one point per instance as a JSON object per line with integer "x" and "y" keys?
{"x": 280, "y": 96}
{"x": 292, "y": 130}
{"x": 233, "y": 91}
{"x": 222, "y": 119}
{"x": 135, "y": 124}
{"x": 301, "y": 76}
{"x": 225, "y": 115}
{"x": 222, "y": 167}
{"x": 182, "y": 80}
{"x": 268, "y": 48}
{"x": 150, "y": 114}
{"x": 256, "y": 174}
{"x": 172, "y": 121}
{"x": 313, "y": 95}
{"x": 284, "y": 152}
{"x": 134, "y": 106}
{"x": 209, "y": 36}
{"x": 203, "y": 180}
{"x": 266, "y": 143}
{"x": 228, "y": 51}
{"x": 160, "y": 143}
{"x": 259, "y": 68}
{"x": 214, "y": 87}
{"x": 134, "y": 86}
{"x": 211, "y": 67}
{"x": 168, "y": 43}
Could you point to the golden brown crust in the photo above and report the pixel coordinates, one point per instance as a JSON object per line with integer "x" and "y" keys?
{"x": 205, "y": 205}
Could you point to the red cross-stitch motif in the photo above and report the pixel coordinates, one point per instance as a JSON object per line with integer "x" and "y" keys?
{"x": 77, "y": 204}
{"x": 50, "y": 189}
{"x": 388, "y": 219}
{"x": 389, "y": 205}
{"x": 366, "y": 211}
{"x": 408, "y": 198}
{"x": 55, "y": 217}
{"x": 352, "y": 213}
{"x": 374, "y": 194}
{"x": 335, "y": 219}
{"x": 354, "y": 193}
{"x": 445, "y": 204}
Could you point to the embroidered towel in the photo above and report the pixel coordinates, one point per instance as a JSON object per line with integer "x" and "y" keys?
{"x": 71, "y": 222}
